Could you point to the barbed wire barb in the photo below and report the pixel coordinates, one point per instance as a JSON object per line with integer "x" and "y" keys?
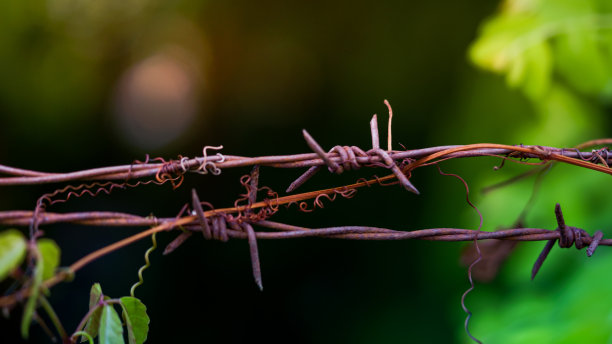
{"x": 249, "y": 213}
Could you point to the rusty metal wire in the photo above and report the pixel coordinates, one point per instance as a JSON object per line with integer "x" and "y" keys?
{"x": 334, "y": 158}
{"x": 339, "y": 159}
{"x": 250, "y": 219}
{"x": 575, "y": 235}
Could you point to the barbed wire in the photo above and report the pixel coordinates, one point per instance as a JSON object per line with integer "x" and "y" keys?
{"x": 334, "y": 159}
{"x": 247, "y": 213}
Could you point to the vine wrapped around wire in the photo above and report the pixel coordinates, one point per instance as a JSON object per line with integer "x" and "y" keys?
{"x": 247, "y": 213}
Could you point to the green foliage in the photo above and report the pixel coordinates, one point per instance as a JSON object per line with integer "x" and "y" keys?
{"x": 110, "y": 330}
{"x": 50, "y": 255}
{"x": 93, "y": 323}
{"x": 136, "y": 319}
{"x": 559, "y": 55}
{"x": 47, "y": 259}
{"x": 104, "y": 321}
{"x": 541, "y": 43}
{"x": 572, "y": 312}
{"x": 30, "y": 305}
{"x": 12, "y": 251}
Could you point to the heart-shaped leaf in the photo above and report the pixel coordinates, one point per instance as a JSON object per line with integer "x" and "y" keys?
{"x": 136, "y": 319}
{"x": 12, "y": 251}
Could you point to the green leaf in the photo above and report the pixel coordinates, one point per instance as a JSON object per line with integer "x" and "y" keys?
{"x": 47, "y": 259}
{"x": 583, "y": 61}
{"x": 30, "y": 305}
{"x": 93, "y": 323}
{"x": 110, "y": 330}
{"x": 12, "y": 251}
{"x": 136, "y": 319}
{"x": 538, "y": 71}
{"x": 503, "y": 39}
{"x": 50, "y": 253}
{"x": 535, "y": 42}
{"x": 516, "y": 45}
{"x": 94, "y": 295}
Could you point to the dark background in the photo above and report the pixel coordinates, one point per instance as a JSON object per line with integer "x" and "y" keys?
{"x": 85, "y": 85}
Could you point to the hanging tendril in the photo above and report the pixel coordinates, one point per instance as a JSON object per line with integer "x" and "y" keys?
{"x": 146, "y": 266}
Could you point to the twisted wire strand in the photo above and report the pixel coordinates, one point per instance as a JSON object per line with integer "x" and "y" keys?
{"x": 150, "y": 168}
{"x": 72, "y": 191}
{"x": 238, "y": 222}
{"x": 113, "y": 219}
{"x": 222, "y": 224}
{"x": 283, "y": 231}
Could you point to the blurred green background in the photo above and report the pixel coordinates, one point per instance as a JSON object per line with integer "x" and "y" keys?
{"x": 87, "y": 84}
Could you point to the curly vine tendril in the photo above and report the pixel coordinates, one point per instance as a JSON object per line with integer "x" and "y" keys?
{"x": 146, "y": 266}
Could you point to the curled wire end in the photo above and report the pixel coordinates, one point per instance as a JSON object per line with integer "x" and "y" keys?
{"x": 146, "y": 266}
{"x": 182, "y": 161}
{"x": 209, "y": 166}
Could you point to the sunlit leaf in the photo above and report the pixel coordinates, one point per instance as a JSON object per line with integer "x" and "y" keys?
{"x": 93, "y": 323}
{"x": 502, "y": 40}
{"x": 516, "y": 72}
{"x": 50, "y": 253}
{"x": 583, "y": 62}
{"x": 110, "y": 330}
{"x": 538, "y": 71}
{"x": 528, "y": 41}
{"x": 516, "y": 46}
{"x": 12, "y": 251}
{"x": 136, "y": 319}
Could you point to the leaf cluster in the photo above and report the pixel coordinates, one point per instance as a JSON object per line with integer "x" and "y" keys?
{"x": 102, "y": 319}
{"x": 539, "y": 44}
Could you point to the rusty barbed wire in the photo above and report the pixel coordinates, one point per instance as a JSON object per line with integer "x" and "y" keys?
{"x": 183, "y": 165}
{"x": 118, "y": 219}
{"x": 249, "y": 218}
{"x": 338, "y": 160}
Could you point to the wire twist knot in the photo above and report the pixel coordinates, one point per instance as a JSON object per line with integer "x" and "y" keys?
{"x": 543, "y": 152}
{"x": 568, "y": 237}
{"x": 348, "y": 158}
